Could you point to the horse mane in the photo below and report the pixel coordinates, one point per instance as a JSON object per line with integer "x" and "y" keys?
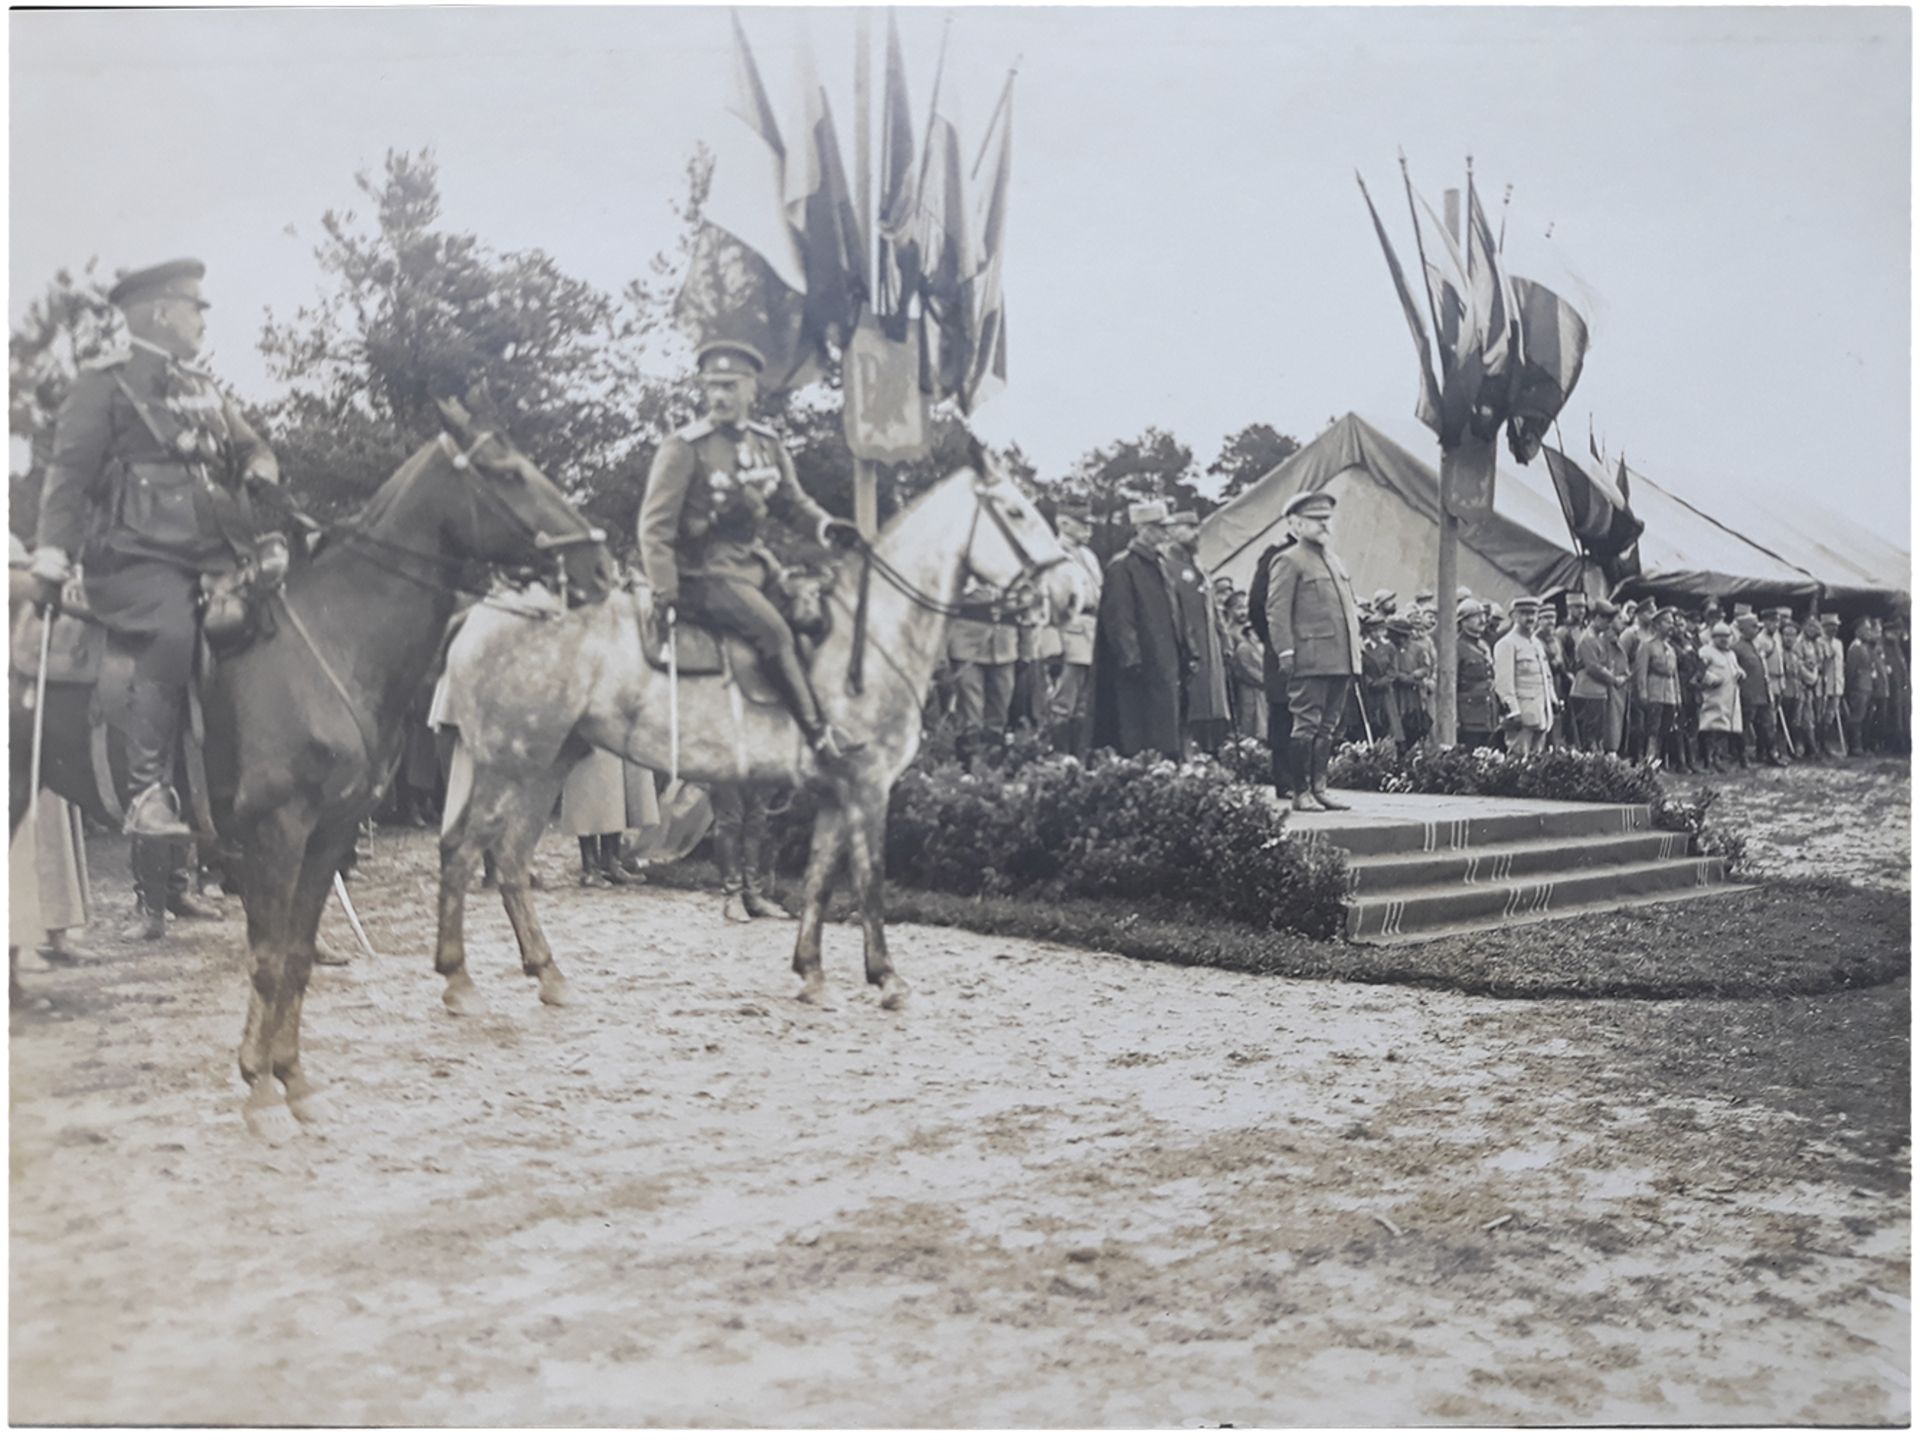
{"x": 376, "y": 506}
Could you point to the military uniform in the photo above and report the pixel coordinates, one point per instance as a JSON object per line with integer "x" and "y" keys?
{"x": 709, "y": 492}
{"x": 150, "y": 486}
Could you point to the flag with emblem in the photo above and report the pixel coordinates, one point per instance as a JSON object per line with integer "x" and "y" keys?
{"x": 746, "y": 279}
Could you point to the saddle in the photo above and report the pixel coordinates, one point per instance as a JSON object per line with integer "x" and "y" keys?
{"x": 701, "y": 650}
{"x": 82, "y": 651}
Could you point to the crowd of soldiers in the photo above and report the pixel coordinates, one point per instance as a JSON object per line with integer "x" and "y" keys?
{"x": 1184, "y": 668}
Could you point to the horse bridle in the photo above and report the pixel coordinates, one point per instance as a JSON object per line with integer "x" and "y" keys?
{"x": 984, "y": 504}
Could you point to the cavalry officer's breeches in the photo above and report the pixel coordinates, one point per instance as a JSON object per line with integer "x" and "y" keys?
{"x": 149, "y": 604}
{"x": 740, "y": 607}
{"x": 1317, "y": 703}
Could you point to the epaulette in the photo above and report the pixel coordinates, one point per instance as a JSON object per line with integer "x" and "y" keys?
{"x": 108, "y": 361}
{"x": 698, "y": 430}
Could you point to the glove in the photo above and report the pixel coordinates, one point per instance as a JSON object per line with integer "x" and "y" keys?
{"x": 49, "y": 569}
{"x": 270, "y": 559}
{"x": 839, "y": 534}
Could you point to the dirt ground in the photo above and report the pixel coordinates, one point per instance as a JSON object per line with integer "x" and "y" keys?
{"x": 1853, "y": 819}
{"x": 1059, "y": 1189}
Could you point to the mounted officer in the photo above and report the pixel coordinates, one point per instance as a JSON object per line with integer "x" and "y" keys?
{"x": 151, "y": 485}
{"x": 709, "y": 492}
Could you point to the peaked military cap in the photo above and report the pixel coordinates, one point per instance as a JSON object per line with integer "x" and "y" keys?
{"x": 729, "y": 357}
{"x": 171, "y": 280}
{"x": 1315, "y": 504}
{"x": 1183, "y": 517}
{"x": 1147, "y": 512}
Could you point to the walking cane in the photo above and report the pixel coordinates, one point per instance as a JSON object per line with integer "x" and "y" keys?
{"x": 1365, "y": 723}
{"x": 40, "y": 713}
{"x": 1780, "y": 720}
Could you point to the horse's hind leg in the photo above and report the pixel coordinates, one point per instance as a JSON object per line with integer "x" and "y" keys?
{"x": 275, "y": 854}
{"x": 525, "y": 819}
{"x": 325, "y": 853}
{"x": 463, "y": 835}
{"x": 823, "y": 859}
{"x": 867, "y": 842}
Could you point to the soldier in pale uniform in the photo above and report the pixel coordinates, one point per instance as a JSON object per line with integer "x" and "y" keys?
{"x": 709, "y": 491}
{"x": 152, "y": 482}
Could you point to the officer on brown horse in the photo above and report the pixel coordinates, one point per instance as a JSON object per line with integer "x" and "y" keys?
{"x": 149, "y": 486}
{"x": 711, "y": 487}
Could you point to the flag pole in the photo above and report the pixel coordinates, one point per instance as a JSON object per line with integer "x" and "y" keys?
{"x": 866, "y": 481}
{"x": 1446, "y": 580}
{"x": 1426, "y": 276}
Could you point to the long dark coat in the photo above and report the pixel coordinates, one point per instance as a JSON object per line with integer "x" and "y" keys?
{"x": 1138, "y": 660}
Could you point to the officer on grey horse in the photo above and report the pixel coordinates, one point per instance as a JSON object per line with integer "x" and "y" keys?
{"x": 710, "y": 490}
{"x": 150, "y": 486}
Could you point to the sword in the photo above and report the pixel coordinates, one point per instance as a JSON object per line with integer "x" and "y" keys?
{"x": 40, "y": 713}
{"x": 1780, "y": 719}
{"x": 673, "y": 706}
{"x": 353, "y": 918}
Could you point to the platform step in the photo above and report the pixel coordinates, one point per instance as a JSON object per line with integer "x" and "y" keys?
{"x": 1566, "y": 912}
{"x": 1371, "y": 875}
{"x": 1403, "y": 837}
{"x": 1423, "y": 908}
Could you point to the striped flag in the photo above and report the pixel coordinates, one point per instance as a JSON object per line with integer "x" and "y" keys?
{"x": 899, "y": 279}
{"x": 987, "y": 302}
{"x": 746, "y": 279}
{"x": 1553, "y": 347}
{"x": 1427, "y": 407}
{"x": 820, "y": 210}
{"x": 1595, "y": 505}
{"x": 947, "y": 258}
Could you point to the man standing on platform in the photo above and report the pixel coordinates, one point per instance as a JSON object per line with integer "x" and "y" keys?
{"x": 1313, "y": 625}
{"x": 1209, "y": 716}
{"x": 1522, "y": 682}
{"x": 1068, "y": 704}
{"x": 1140, "y": 661}
{"x": 1477, "y": 711}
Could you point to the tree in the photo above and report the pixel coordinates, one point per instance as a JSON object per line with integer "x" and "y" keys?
{"x": 1248, "y": 456}
{"x": 1155, "y": 466}
{"x": 68, "y": 326}
{"x": 413, "y": 312}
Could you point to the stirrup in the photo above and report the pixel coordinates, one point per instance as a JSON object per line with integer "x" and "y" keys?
{"x": 154, "y": 814}
{"x": 833, "y": 744}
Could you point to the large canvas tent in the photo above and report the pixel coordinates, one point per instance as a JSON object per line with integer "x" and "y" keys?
{"x": 1387, "y": 527}
{"x": 1387, "y": 532}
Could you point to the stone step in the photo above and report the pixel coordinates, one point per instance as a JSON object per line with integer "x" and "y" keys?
{"x": 1491, "y": 864}
{"x": 1424, "y": 908}
{"x": 1360, "y": 836}
{"x": 1559, "y": 912}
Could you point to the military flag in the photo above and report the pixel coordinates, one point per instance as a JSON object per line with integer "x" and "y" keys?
{"x": 1553, "y": 348}
{"x": 746, "y": 279}
{"x": 1427, "y": 407}
{"x": 820, "y": 210}
{"x": 986, "y": 373}
{"x": 946, "y": 248}
{"x": 1595, "y": 504}
{"x": 899, "y": 277}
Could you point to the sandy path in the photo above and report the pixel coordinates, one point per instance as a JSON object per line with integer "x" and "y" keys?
{"x": 1060, "y": 1189}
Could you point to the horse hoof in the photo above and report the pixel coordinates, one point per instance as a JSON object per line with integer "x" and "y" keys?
{"x": 554, "y": 989}
{"x": 463, "y": 997}
{"x": 311, "y": 1109}
{"x": 813, "y": 990}
{"x": 893, "y": 993}
{"x": 272, "y": 1124}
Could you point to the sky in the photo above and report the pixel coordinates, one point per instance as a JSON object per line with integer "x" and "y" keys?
{"x": 1187, "y": 248}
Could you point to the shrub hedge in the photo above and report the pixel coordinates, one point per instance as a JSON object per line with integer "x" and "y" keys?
{"x": 1020, "y": 821}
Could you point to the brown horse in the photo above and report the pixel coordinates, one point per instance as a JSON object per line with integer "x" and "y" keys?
{"x": 531, "y": 698}
{"x": 305, "y": 727}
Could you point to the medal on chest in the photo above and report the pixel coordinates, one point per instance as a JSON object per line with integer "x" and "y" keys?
{"x": 196, "y": 409}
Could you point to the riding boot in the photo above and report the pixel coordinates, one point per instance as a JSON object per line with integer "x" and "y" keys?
{"x": 1301, "y": 758}
{"x": 590, "y": 876}
{"x": 149, "y": 863}
{"x": 753, "y": 848}
{"x": 829, "y": 744}
{"x": 181, "y": 900}
{"x": 153, "y": 735}
{"x": 1322, "y": 758}
{"x": 726, "y": 855}
{"x": 611, "y": 869}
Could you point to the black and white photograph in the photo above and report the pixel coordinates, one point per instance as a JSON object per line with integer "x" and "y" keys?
{"x": 963, "y": 717}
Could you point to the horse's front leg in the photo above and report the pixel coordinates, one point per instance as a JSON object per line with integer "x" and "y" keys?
{"x": 527, "y": 808}
{"x": 275, "y": 853}
{"x": 829, "y": 836}
{"x": 867, "y": 848}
